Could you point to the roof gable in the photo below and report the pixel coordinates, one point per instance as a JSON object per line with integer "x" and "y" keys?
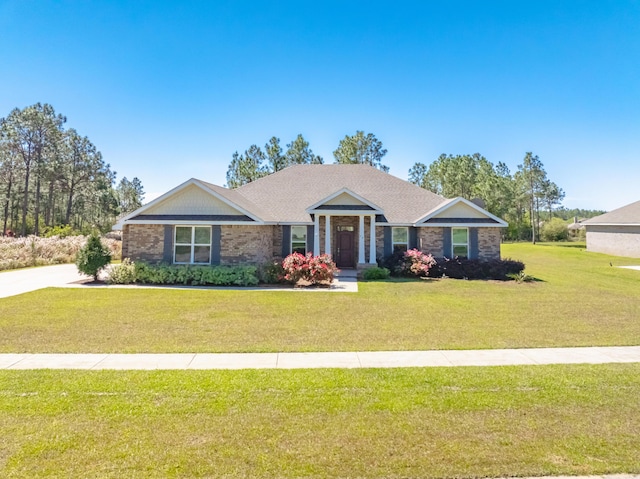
{"x": 192, "y": 199}
{"x": 343, "y": 200}
{"x": 460, "y": 212}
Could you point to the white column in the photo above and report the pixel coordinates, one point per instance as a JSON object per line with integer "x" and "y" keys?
{"x": 327, "y": 234}
{"x": 316, "y": 235}
{"x": 372, "y": 240}
{"x": 361, "y": 241}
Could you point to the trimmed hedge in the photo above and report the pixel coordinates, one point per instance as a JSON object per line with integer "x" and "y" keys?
{"x": 463, "y": 268}
{"x": 144, "y": 273}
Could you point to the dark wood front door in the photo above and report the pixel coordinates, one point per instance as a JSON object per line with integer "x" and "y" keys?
{"x": 344, "y": 258}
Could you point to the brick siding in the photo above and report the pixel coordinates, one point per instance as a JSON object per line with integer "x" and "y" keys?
{"x": 143, "y": 242}
{"x": 246, "y": 244}
{"x": 489, "y": 243}
{"x": 431, "y": 241}
{"x": 252, "y": 244}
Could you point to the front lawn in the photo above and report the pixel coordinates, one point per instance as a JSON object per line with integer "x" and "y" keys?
{"x": 376, "y": 423}
{"x": 579, "y": 300}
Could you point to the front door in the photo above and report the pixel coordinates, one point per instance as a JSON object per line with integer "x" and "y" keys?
{"x": 344, "y": 258}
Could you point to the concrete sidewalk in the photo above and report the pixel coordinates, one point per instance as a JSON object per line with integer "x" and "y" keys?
{"x": 605, "y": 476}
{"x": 367, "y": 359}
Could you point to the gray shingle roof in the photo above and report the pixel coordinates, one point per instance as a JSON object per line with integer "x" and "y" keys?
{"x": 241, "y": 201}
{"x": 288, "y": 193}
{"x": 626, "y": 215}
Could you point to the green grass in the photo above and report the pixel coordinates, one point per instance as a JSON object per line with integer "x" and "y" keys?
{"x": 431, "y": 422}
{"x": 579, "y": 300}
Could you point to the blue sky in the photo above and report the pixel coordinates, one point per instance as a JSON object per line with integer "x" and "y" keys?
{"x": 169, "y": 90}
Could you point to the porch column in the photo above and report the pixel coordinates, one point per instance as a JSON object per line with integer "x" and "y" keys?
{"x": 361, "y": 241}
{"x": 316, "y": 235}
{"x": 327, "y": 234}
{"x": 372, "y": 239}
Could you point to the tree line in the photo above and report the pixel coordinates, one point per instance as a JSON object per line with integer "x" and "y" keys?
{"x": 51, "y": 177}
{"x": 524, "y": 199}
{"x": 255, "y": 162}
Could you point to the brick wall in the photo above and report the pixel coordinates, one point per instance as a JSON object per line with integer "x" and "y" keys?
{"x": 276, "y": 238}
{"x": 259, "y": 244}
{"x": 143, "y": 242}
{"x": 431, "y": 240}
{"x": 489, "y": 243}
{"x": 246, "y": 244}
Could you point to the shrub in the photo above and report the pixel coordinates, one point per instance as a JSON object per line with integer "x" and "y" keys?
{"x": 521, "y": 277}
{"x": 144, "y": 273}
{"x": 417, "y": 263}
{"x": 93, "y": 257}
{"x": 60, "y": 231}
{"x": 409, "y": 263}
{"x": 376, "y": 273}
{"x": 271, "y": 273}
{"x": 464, "y": 268}
{"x": 554, "y": 230}
{"x": 123, "y": 273}
{"x": 312, "y": 269}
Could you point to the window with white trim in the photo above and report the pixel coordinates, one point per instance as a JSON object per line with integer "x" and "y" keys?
{"x": 192, "y": 245}
{"x": 400, "y": 238}
{"x": 460, "y": 242}
{"x": 299, "y": 239}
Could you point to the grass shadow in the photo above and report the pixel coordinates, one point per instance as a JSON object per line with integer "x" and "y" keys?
{"x": 565, "y": 245}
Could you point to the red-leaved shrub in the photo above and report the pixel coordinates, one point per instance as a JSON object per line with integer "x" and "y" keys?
{"x": 311, "y": 269}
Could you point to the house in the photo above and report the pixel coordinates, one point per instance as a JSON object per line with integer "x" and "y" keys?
{"x": 616, "y": 232}
{"x": 356, "y": 213}
{"x": 575, "y": 228}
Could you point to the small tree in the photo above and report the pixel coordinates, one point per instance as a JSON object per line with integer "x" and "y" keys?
{"x": 555, "y": 230}
{"x": 93, "y": 257}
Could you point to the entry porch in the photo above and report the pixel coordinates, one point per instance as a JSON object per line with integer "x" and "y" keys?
{"x": 351, "y": 240}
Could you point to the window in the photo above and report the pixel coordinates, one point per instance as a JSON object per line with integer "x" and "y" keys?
{"x": 460, "y": 242}
{"x": 299, "y": 239}
{"x": 400, "y": 239}
{"x": 192, "y": 245}
{"x": 346, "y": 228}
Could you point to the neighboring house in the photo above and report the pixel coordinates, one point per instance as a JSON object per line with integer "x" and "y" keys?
{"x": 575, "y": 228}
{"x": 616, "y": 232}
{"x": 356, "y": 213}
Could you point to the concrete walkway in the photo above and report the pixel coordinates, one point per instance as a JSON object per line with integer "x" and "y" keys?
{"x": 367, "y": 359}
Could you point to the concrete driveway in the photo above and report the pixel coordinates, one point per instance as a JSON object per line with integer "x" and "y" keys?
{"x": 31, "y": 279}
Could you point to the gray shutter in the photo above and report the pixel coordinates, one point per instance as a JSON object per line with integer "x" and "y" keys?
{"x": 286, "y": 240}
{"x": 167, "y": 252}
{"x": 310, "y": 239}
{"x": 216, "y": 241}
{"x": 446, "y": 243}
{"x": 388, "y": 245}
{"x": 473, "y": 243}
{"x": 413, "y": 237}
